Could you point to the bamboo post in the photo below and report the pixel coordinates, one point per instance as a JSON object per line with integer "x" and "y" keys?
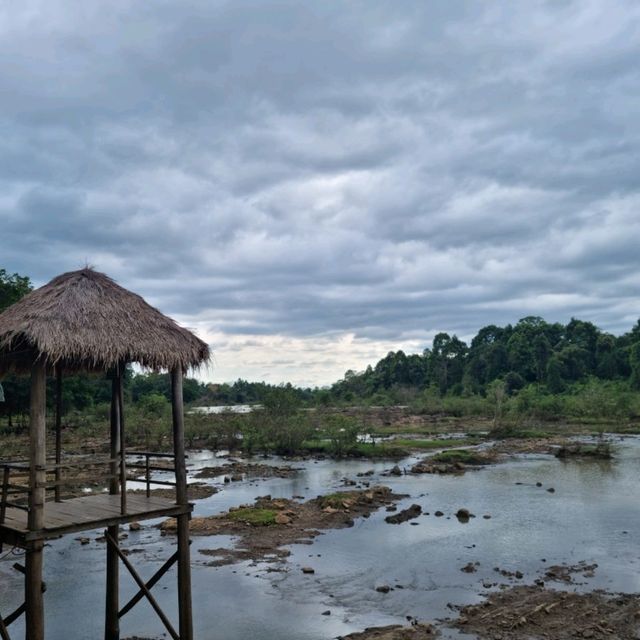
{"x": 112, "y": 624}
{"x": 123, "y": 460}
{"x": 58, "y": 474}
{"x": 184, "y": 561}
{"x": 37, "y": 480}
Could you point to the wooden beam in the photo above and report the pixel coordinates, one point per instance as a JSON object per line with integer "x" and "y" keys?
{"x": 37, "y": 477}
{"x": 123, "y": 459}
{"x": 4, "y": 632}
{"x": 111, "y": 622}
{"x": 58, "y": 470}
{"x": 184, "y": 560}
{"x": 143, "y": 587}
{"x": 149, "y": 584}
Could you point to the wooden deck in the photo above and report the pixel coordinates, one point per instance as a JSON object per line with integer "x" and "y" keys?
{"x": 85, "y": 513}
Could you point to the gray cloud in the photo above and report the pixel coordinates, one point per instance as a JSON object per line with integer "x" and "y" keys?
{"x": 328, "y": 169}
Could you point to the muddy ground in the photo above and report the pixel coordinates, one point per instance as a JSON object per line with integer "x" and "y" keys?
{"x": 195, "y": 491}
{"x": 237, "y": 470}
{"x": 535, "y": 613}
{"x": 265, "y": 527}
{"x": 417, "y": 631}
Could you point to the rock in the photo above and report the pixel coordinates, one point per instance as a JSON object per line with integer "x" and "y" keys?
{"x": 392, "y": 507}
{"x": 406, "y": 514}
{"x": 330, "y": 510}
{"x": 538, "y": 484}
{"x": 83, "y": 540}
{"x": 396, "y": 471}
{"x": 227, "y": 479}
{"x": 281, "y": 518}
{"x": 551, "y": 490}
{"x": 470, "y": 567}
{"x": 463, "y": 515}
{"x": 308, "y": 570}
{"x": 519, "y": 575}
{"x": 438, "y": 514}
{"x": 326, "y": 613}
{"x": 236, "y": 477}
{"x": 383, "y": 588}
{"x": 487, "y": 516}
{"x": 135, "y": 526}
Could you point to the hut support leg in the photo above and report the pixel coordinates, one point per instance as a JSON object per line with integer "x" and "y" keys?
{"x": 37, "y": 479}
{"x": 111, "y": 623}
{"x": 58, "y": 432}
{"x": 184, "y": 560}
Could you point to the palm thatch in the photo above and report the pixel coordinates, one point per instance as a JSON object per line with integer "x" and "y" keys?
{"x": 83, "y": 320}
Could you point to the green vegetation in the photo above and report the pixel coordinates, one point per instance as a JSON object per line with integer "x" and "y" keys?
{"x": 522, "y": 380}
{"x": 254, "y": 516}
{"x": 427, "y": 444}
{"x": 459, "y": 455}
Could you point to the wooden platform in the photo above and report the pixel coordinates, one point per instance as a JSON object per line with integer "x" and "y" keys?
{"x": 85, "y": 513}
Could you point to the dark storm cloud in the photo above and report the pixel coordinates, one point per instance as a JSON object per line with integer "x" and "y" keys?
{"x": 381, "y": 170}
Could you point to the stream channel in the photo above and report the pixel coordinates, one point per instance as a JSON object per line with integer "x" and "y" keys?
{"x": 593, "y": 516}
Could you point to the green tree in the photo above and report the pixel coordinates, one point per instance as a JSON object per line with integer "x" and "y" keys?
{"x": 12, "y": 288}
{"x": 555, "y": 373}
{"x": 634, "y": 362}
{"x": 16, "y": 390}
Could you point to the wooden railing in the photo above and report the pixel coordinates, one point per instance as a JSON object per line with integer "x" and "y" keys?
{"x": 148, "y": 467}
{"x": 15, "y": 482}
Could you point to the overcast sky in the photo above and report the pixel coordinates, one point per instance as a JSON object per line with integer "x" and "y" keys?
{"x": 311, "y": 184}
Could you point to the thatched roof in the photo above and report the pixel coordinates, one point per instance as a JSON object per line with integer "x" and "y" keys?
{"x": 84, "y": 320}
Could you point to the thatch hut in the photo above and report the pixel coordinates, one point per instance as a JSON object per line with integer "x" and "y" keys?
{"x": 84, "y": 321}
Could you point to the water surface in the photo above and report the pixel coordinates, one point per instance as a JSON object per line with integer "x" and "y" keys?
{"x": 592, "y": 516}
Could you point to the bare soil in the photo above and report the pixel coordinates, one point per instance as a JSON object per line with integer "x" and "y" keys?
{"x": 534, "y": 613}
{"x": 195, "y": 491}
{"x": 247, "y": 469}
{"x": 285, "y": 522}
{"x": 420, "y": 631}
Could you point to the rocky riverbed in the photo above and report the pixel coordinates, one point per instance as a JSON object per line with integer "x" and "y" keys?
{"x": 265, "y": 527}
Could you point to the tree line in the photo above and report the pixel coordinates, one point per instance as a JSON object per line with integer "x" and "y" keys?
{"x": 530, "y": 356}
{"x": 533, "y": 351}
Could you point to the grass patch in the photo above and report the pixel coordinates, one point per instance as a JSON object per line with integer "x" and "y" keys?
{"x": 335, "y": 500}
{"x": 459, "y": 455}
{"x": 357, "y": 450}
{"x": 600, "y": 451}
{"x": 427, "y": 444}
{"x": 502, "y": 433}
{"x": 254, "y": 516}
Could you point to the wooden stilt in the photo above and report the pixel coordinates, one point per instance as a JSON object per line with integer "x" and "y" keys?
{"x": 37, "y": 480}
{"x": 123, "y": 460}
{"x": 184, "y": 560}
{"x": 58, "y": 473}
{"x": 112, "y": 624}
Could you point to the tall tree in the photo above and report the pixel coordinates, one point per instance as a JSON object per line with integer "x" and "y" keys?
{"x": 12, "y": 288}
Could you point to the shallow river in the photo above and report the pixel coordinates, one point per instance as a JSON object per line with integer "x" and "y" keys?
{"x": 593, "y": 516}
